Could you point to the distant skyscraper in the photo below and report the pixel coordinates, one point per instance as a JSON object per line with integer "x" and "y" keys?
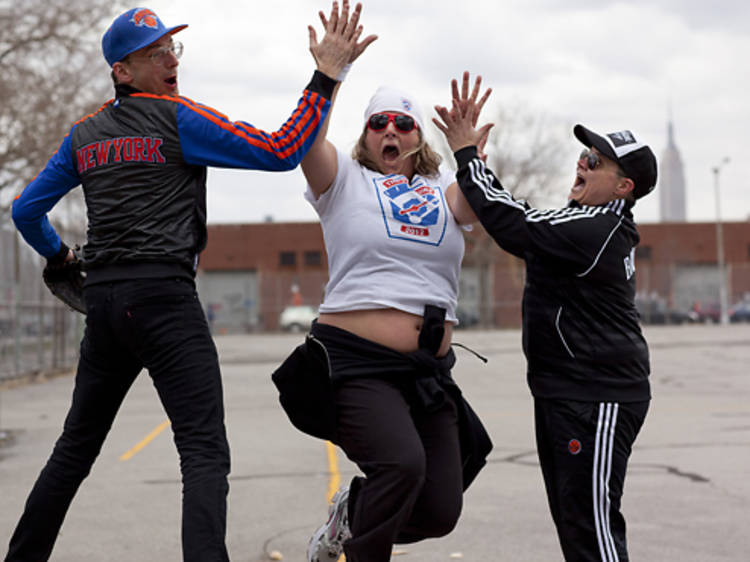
{"x": 671, "y": 181}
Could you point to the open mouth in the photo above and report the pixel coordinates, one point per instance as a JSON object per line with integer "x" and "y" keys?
{"x": 390, "y": 153}
{"x": 579, "y": 183}
{"x": 172, "y": 80}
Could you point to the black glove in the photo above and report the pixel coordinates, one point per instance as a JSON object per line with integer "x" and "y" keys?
{"x": 65, "y": 279}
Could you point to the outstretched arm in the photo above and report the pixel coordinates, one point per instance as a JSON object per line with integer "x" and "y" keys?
{"x": 209, "y": 138}
{"x": 319, "y": 165}
{"x": 572, "y": 238}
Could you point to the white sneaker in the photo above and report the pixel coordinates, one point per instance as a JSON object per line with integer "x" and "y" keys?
{"x": 327, "y": 543}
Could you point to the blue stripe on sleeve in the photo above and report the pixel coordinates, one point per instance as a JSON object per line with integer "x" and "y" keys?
{"x": 30, "y": 209}
{"x": 213, "y": 140}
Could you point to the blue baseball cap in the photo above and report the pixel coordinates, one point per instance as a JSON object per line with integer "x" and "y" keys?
{"x": 133, "y": 30}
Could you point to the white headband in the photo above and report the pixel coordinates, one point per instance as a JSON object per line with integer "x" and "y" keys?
{"x": 391, "y": 99}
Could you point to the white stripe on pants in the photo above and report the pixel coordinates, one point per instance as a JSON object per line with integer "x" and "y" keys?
{"x": 605, "y": 432}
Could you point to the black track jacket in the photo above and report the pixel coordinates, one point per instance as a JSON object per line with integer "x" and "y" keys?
{"x": 581, "y": 334}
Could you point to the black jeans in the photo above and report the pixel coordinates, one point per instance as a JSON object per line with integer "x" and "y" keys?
{"x": 157, "y": 324}
{"x": 583, "y": 450}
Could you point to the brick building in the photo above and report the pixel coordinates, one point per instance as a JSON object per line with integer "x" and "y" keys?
{"x": 250, "y": 272}
{"x": 678, "y": 260}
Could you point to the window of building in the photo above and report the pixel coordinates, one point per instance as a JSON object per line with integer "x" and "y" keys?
{"x": 313, "y": 258}
{"x": 643, "y": 252}
{"x": 287, "y": 258}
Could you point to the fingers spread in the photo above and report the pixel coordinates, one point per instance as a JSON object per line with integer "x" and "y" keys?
{"x": 465, "y": 85}
{"x": 439, "y": 125}
{"x": 360, "y": 47}
{"x": 475, "y": 91}
{"x": 344, "y": 19}
{"x": 334, "y": 19}
{"x": 443, "y": 112}
{"x": 484, "y": 98}
{"x": 354, "y": 20}
{"x": 454, "y": 88}
{"x": 357, "y": 33}
{"x": 313, "y": 36}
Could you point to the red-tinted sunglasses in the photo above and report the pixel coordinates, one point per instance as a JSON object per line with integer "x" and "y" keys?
{"x": 403, "y": 123}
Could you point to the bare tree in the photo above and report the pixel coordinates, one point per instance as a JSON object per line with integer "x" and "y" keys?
{"x": 527, "y": 152}
{"x": 53, "y": 73}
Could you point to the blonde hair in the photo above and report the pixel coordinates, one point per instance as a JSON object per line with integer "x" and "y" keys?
{"x": 426, "y": 163}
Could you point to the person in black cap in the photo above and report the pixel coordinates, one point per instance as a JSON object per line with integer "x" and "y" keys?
{"x": 588, "y": 363}
{"x": 141, "y": 160}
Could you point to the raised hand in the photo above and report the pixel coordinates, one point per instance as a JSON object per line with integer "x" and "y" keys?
{"x": 340, "y": 44}
{"x": 467, "y": 103}
{"x": 459, "y": 123}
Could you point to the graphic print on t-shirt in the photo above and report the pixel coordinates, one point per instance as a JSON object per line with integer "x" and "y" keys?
{"x": 412, "y": 211}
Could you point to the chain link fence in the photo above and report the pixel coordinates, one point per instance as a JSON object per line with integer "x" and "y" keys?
{"x": 38, "y": 334}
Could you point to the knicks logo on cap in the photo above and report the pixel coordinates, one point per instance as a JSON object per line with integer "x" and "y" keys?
{"x": 406, "y": 104}
{"x": 574, "y": 446}
{"x": 145, "y": 18}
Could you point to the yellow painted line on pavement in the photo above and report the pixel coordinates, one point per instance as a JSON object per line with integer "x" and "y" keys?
{"x": 146, "y": 440}
{"x": 333, "y": 470}
{"x": 335, "y": 477}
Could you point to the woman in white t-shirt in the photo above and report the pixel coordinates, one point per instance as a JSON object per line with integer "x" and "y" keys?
{"x": 394, "y": 254}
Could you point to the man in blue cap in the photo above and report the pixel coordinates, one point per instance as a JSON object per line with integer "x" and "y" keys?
{"x": 141, "y": 160}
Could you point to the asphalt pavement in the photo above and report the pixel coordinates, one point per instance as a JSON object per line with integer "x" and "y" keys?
{"x": 687, "y": 494}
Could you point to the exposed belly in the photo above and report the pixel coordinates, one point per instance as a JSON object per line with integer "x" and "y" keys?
{"x": 389, "y": 327}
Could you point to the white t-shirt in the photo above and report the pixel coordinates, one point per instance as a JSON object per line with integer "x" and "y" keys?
{"x": 391, "y": 243}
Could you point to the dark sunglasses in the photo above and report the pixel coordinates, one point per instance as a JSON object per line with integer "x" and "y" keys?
{"x": 592, "y": 158}
{"x": 403, "y": 123}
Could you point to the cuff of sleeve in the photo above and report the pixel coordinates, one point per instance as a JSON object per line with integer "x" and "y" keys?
{"x": 465, "y": 155}
{"x": 322, "y": 84}
{"x": 60, "y": 256}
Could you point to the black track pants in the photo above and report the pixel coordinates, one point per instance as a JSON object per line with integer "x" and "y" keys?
{"x": 583, "y": 450}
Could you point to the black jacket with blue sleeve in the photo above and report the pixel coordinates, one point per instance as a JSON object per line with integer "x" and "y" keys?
{"x": 141, "y": 160}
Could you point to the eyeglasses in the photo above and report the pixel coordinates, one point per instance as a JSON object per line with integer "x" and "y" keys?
{"x": 592, "y": 158}
{"x": 159, "y": 56}
{"x": 403, "y": 123}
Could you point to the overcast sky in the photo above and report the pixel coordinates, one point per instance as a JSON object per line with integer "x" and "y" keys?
{"x": 608, "y": 65}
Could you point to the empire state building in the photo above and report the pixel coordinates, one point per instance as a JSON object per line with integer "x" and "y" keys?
{"x": 671, "y": 182}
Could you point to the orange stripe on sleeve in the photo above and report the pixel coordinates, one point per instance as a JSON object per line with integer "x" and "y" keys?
{"x": 245, "y": 130}
{"x": 82, "y": 119}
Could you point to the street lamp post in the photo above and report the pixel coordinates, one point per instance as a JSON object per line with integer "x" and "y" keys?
{"x": 723, "y": 298}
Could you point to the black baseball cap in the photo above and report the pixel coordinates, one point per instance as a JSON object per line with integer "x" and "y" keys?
{"x": 633, "y": 156}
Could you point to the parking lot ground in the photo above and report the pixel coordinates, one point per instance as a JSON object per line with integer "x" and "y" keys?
{"x": 687, "y": 495}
